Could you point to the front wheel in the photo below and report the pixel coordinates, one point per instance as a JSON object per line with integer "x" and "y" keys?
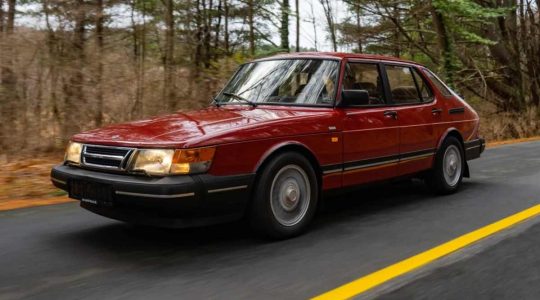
{"x": 285, "y": 196}
{"x": 447, "y": 172}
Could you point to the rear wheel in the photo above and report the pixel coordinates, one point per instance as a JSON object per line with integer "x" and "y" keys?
{"x": 447, "y": 173}
{"x": 285, "y": 196}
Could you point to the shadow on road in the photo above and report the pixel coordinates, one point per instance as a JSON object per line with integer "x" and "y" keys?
{"x": 353, "y": 207}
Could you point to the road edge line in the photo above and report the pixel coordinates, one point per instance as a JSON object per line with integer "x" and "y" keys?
{"x": 22, "y": 203}
{"x": 365, "y": 283}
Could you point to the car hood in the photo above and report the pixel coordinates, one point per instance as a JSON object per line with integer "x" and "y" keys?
{"x": 207, "y": 126}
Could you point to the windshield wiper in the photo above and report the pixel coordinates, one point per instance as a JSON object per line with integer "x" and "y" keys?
{"x": 238, "y": 97}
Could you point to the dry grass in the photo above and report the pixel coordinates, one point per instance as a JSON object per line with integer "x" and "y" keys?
{"x": 501, "y": 126}
{"x": 27, "y": 178}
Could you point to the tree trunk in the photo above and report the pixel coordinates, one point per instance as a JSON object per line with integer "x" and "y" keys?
{"x": 251, "y": 29}
{"x": 99, "y": 72}
{"x": 226, "y": 29}
{"x": 445, "y": 44}
{"x": 297, "y": 26}
{"x": 73, "y": 87}
{"x": 139, "y": 52}
{"x": 207, "y": 25}
{"x": 168, "y": 82}
{"x": 284, "y": 30}
{"x": 358, "y": 11}
{"x": 329, "y": 14}
{"x": 9, "y": 97}
{"x": 218, "y": 29}
{"x": 314, "y": 27}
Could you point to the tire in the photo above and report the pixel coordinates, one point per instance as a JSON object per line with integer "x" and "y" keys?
{"x": 447, "y": 173}
{"x": 285, "y": 197}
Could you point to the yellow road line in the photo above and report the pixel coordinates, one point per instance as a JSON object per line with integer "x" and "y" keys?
{"x": 22, "y": 203}
{"x": 372, "y": 280}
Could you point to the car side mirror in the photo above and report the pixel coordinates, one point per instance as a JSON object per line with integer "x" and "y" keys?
{"x": 354, "y": 97}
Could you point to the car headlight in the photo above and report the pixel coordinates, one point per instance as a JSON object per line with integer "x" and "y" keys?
{"x": 173, "y": 162}
{"x": 73, "y": 153}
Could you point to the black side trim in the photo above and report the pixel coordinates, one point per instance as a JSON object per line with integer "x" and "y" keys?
{"x": 372, "y": 162}
{"x": 474, "y": 148}
{"x": 457, "y": 110}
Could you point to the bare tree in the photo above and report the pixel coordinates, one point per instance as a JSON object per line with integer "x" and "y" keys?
{"x": 99, "y": 73}
{"x": 168, "y": 60}
{"x": 329, "y": 14}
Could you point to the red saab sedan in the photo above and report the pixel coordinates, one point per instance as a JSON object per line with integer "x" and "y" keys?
{"x": 284, "y": 131}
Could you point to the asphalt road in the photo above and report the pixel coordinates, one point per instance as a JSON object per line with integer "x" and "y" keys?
{"x": 65, "y": 252}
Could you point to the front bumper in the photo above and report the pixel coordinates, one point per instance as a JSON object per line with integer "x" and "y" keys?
{"x": 173, "y": 201}
{"x": 474, "y": 148}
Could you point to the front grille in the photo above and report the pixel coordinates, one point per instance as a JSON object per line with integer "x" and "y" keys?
{"x": 106, "y": 157}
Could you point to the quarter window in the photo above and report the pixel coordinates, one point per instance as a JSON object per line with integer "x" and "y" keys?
{"x": 402, "y": 85}
{"x": 365, "y": 76}
{"x": 438, "y": 83}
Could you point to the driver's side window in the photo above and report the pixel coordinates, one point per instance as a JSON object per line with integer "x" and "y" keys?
{"x": 365, "y": 76}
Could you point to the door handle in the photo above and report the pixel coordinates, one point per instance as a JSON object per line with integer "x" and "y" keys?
{"x": 436, "y": 111}
{"x": 391, "y": 114}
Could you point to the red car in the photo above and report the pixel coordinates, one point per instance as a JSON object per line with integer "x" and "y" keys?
{"x": 284, "y": 132}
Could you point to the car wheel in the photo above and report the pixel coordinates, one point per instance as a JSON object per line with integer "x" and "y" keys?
{"x": 285, "y": 196}
{"x": 447, "y": 172}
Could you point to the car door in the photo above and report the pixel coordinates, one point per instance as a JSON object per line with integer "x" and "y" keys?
{"x": 370, "y": 128}
{"x": 417, "y": 111}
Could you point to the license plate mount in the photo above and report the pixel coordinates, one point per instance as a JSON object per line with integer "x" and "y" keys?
{"x": 91, "y": 192}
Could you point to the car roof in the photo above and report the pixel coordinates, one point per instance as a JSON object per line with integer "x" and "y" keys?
{"x": 338, "y": 55}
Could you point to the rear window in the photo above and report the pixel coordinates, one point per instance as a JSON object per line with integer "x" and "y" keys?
{"x": 438, "y": 83}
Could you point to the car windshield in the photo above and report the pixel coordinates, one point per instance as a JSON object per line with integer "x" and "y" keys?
{"x": 285, "y": 81}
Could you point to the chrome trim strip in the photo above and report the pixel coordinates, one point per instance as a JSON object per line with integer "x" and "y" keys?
{"x": 100, "y": 166}
{"x": 372, "y": 165}
{"x": 391, "y": 160}
{"x": 154, "y": 195}
{"x": 478, "y": 146}
{"x": 431, "y": 151}
{"x": 58, "y": 180}
{"x": 105, "y": 156}
{"x": 332, "y": 171}
{"x": 233, "y": 188}
{"x": 104, "y": 146}
{"x": 417, "y": 156}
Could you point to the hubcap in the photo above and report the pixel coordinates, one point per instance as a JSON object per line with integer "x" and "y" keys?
{"x": 290, "y": 195}
{"x": 452, "y": 165}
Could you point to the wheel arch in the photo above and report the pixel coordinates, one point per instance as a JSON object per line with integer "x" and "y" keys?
{"x": 454, "y": 132}
{"x": 451, "y": 132}
{"x": 293, "y": 147}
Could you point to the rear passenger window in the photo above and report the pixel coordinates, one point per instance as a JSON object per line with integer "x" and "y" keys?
{"x": 423, "y": 87}
{"x": 438, "y": 83}
{"x": 402, "y": 85}
{"x": 365, "y": 76}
